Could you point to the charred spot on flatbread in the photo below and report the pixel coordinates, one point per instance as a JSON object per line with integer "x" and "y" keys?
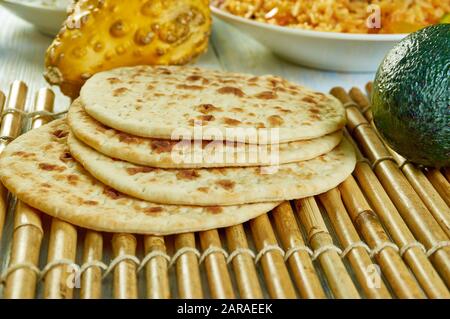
{"x": 214, "y": 209}
{"x": 161, "y": 146}
{"x": 111, "y": 193}
{"x": 231, "y": 90}
{"x": 139, "y": 169}
{"x": 51, "y": 167}
{"x": 226, "y": 184}
{"x": 188, "y": 174}
{"x": 207, "y": 108}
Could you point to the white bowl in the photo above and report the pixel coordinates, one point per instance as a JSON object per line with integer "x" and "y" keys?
{"x": 322, "y": 50}
{"x": 46, "y": 19}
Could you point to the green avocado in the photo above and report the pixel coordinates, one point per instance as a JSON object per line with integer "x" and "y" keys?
{"x": 411, "y": 97}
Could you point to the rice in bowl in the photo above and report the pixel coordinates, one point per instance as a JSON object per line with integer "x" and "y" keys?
{"x": 347, "y": 16}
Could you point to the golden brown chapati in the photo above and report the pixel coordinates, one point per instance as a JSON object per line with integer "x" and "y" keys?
{"x": 38, "y": 168}
{"x": 160, "y": 152}
{"x": 155, "y": 102}
{"x": 219, "y": 186}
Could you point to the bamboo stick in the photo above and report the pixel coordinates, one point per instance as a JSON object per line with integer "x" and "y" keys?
{"x": 416, "y": 259}
{"x": 318, "y": 236}
{"x": 413, "y": 210}
{"x": 156, "y": 270}
{"x": 440, "y": 183}
{"x": 358, "y": 257}
{"x": 63, "y": 239}
{"x": 125, "y": 280}
{"x": 10, "y": 127}
{"x": 300, "y": 262}
{"x": 91, "y": 278}
{"x": 11, "y": 124}
{"x": 362, "y": 101}
{"x": 187, "y": 270}
{"x": 2, "y": 100}
{"x": 427, "y": 191}
{"x": 396, "y": 272}
{"x": 62, "y": 246}
{"x": 447, "y": 173}
{"x": 276, "y": 275}
{"x": 44, "y": 101}
{"x": 27, "y": 232}
{"x": 216, "y": 266}
{"x": 27, "y": 238}
{"x": 412, "y": 251}
{"x": 243, "y": 265}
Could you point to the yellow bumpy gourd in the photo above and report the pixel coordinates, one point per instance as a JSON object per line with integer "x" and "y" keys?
{"x": 103, "y": 34}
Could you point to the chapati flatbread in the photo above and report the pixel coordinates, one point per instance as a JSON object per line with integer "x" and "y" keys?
{"x": 38, "y": 169}
{"x": 169, "y": 154}
{"x": 158, "y": 102}
{"x": 219, "y": 186}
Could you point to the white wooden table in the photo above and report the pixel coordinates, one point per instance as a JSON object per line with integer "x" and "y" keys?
{"x": 22, "y": 51}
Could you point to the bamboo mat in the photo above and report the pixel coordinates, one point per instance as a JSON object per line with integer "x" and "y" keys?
{"x": 383, "y": 233}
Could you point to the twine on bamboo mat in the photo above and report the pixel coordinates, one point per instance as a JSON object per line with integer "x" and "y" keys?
{"x": 358, "y": 244}
{"x": 152, "y": 255}
{"x": 379, "y": 248}
{"x": 295, "y": 249}
{"x": 382, "y": 159}
{"x": 92, "y": 263}
{"x": 267, "y": 249}
{"x": 428, "y": 252}
{"x": 437, "y": 246}
{"x": 118, "y": 260}
{"x": 182, "y": 251}
{"x": 403, "y": 163}
{"x": 364, "y": 110}
{"x": 28, "y": 115}
{"x": 239, "y": 251}
{"x": 58, "y": 262}
{"x": 39, "y": 273}
{"x": 364, "y": 160}
{"x": 212, "y": 250}
{"x": 349, "y": 104}
{"x": 323, "y": 249}
{"x": 29, "y": 224}
{"x": 360, "y": 125}
{"x": 13, "y": 268}
{"x": 406, "y": 247}
{"x": 353, "y": 104}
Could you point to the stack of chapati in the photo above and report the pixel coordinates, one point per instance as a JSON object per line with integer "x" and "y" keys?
{"x": 163, "y": 150}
